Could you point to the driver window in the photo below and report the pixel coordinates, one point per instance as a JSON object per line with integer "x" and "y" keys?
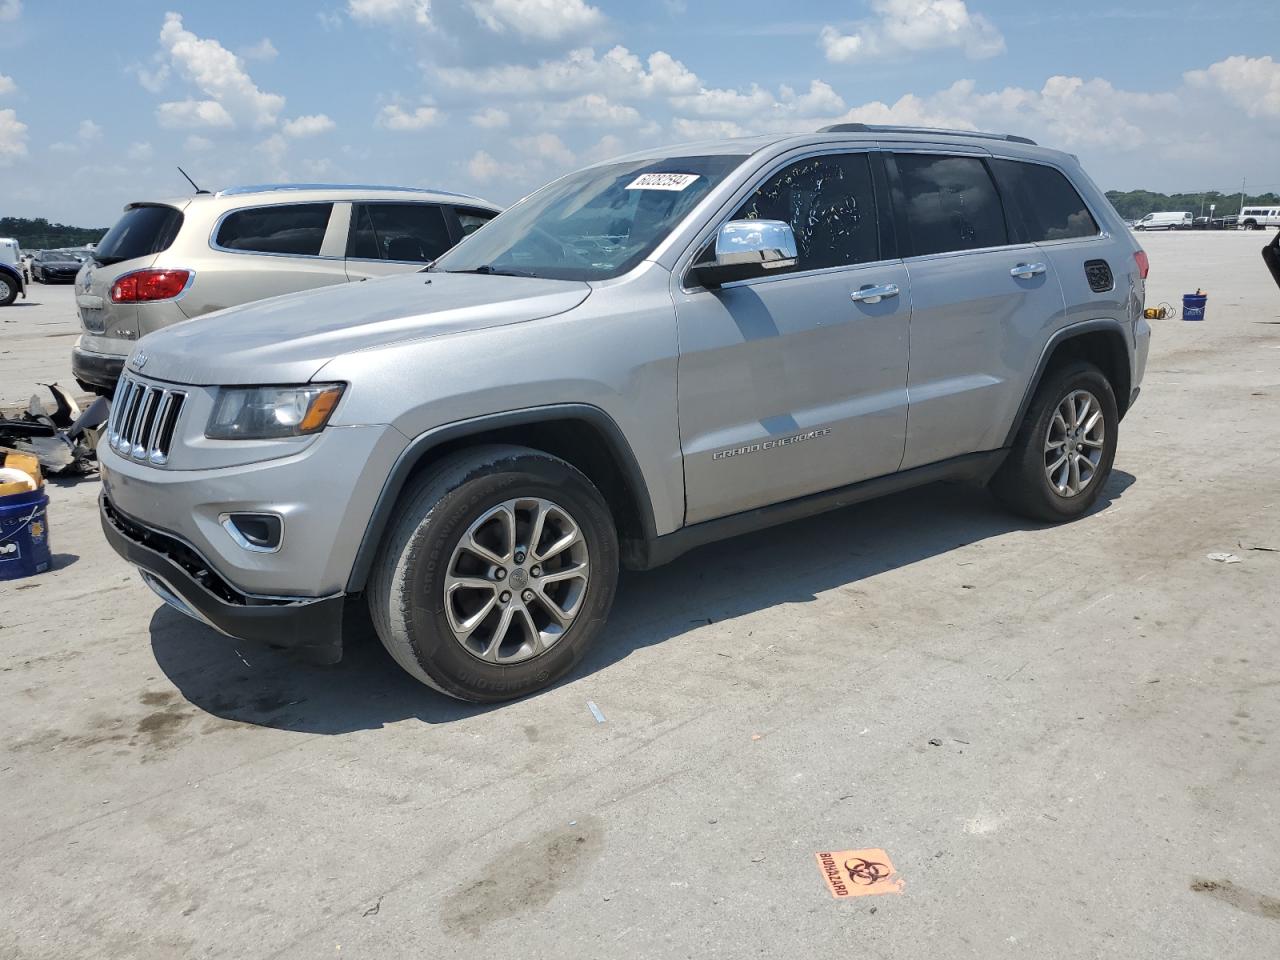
{"x": 830, "y": 203}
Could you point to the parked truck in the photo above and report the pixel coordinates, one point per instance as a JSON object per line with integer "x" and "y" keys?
{"x": 10, "y": 271}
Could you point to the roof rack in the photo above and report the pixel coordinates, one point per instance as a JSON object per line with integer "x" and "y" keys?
{"x": 265, "y": 187}
{"x": 931, "y": 131}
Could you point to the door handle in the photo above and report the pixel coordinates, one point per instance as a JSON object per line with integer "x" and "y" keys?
{"x": 1025, "y": 271}
{"x": 874, "y": 294}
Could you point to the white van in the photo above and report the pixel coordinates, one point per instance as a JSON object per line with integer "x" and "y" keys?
{"x": 1164, "y": 221}
{"x": 1257, "y": 218}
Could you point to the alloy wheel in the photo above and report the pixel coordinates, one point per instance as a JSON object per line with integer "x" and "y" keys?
{"x": 1074, "y": 443}
{"x": 516, "y": 580}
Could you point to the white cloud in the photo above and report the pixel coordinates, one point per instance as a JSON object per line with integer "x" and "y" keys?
{"x": 151, "y": 79}
{"x": 219, "y": 74}
{"x": 608, "y": 147}
{"x": 1251, "y": 83}
{"x": 197, "y": 144}
{"x": 912, "y": 26}
{"x": 140, "y": 151}
{"x": 390, "y": 11}
{"x": 820, "y": 100}
{"x": 539, "y": 19}
{"x": 274, "y": 149}
{"x": 10, "y": 9}
{"x": 395, "y": 117}
{"x": 619, "y": 74}
{"x": 491, "y": 118}
{"x": 726, "y": 103}
{"x": 329, "y": 21}
{"x": 263, "y": 50}
{"x": 482, "y": 167}
{"x": 13, "y": 137}
{"x": 308, "y": 126}
{"x": 7, "y": 85}
{"x": 545, "y": 147}
{"x": 180, "y": 114}
{"x": 89, "y": 131}
{"x": 687, "y": 129}
{"x": 590, "y": 109}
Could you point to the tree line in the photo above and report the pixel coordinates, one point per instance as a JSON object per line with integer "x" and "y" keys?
{"x": 40, "y": 234}
{"x": 1136, "y": 204}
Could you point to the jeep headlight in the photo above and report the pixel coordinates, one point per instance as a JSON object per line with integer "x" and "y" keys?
{"x": 269, "y": 413}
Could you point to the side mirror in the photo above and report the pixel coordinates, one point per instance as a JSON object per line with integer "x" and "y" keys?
{"x": 746, "y": 249}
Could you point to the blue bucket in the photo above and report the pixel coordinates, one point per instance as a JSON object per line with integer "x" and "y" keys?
{"x": 1193, "y": 306}
{"x": 24, "y": 534}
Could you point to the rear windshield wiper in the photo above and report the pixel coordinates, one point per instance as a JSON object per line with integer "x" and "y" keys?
{"x": 493, "y": 271}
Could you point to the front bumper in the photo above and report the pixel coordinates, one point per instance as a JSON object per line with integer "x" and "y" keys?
{"x": 100, "y": 370}
{"x": 181, "y": 577}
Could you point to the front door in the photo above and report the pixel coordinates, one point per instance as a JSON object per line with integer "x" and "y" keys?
{"x": 980, "y": 306}
{"x": 796, "y": 383}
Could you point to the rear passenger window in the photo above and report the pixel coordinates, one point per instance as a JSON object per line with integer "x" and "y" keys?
{"x": 472, "y": 219}
{"x": 407, "y": 232}
{"x": 829, "y": 202}
{"x": 1041, "y": 202}
{"x": 295, "y": 228}
{"x": 950, "y": 203}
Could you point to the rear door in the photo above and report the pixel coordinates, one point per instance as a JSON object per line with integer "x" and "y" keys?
{"x": 980, "y": 304}
{"x": 389, "y": 237}
{"x": 270, "y": 249}
{"x": 1044, "y": 208}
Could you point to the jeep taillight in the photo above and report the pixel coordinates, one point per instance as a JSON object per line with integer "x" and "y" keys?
{"x": 1144, "y": 265}
{"x": 147, "y": 286}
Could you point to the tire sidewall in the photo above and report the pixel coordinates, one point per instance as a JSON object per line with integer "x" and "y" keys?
{"x": 430, "y": 550}
{"x": 1077, "y": 378}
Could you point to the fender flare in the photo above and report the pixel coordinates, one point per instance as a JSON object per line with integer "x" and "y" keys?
{"x": 421, "y": 446}
{"x": 1101, "y": 325}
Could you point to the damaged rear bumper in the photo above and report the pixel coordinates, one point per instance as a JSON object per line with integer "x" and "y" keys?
{"x": 180, "y": 577}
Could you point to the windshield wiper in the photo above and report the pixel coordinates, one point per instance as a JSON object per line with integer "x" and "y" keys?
{"x": 492, "y": 271}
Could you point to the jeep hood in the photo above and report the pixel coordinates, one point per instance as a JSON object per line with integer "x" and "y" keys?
{"x": 288, "y": 339}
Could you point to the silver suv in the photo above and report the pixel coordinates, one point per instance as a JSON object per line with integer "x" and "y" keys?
{"x": 644, "y": 356}
{"x": 173, "y": 260}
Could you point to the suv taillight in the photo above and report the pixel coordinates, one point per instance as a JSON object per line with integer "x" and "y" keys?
{"x": 145, "y": 286}
{"x": 1144, "y": 265}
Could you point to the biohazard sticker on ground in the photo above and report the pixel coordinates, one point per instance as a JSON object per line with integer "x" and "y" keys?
{"x": 859, "y": 873}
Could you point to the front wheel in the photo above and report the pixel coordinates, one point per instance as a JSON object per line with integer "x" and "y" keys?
{"x": 1062, "y": 454}
{"x": 8, "y": 291}
{"x": 497, "y": 575}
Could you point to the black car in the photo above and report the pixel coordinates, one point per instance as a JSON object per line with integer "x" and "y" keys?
{"x": 53, "y": 266}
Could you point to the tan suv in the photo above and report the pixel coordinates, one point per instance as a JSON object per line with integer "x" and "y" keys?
{"x": 168, "y": 261}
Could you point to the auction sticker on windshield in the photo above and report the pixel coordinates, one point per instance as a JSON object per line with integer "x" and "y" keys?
{"x": 662, "y": 181}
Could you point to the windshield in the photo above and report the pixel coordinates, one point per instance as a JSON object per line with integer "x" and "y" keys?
{"x": 140, "y": 232}
{"x": 592, "y": 225}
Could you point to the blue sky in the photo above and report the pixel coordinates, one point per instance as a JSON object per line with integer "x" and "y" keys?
{"x": 99, "y": 102}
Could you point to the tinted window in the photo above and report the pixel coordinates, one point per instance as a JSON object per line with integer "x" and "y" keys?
{"x": 140, "y": 232}
{"x": 829, "y": 202}
{"x": 413, "y": 232}
{"x": 950, "y": 203}
{"x": 1041, "y": 203}
{"x": 473, "y": 219}
{"x": 296, "y": 228}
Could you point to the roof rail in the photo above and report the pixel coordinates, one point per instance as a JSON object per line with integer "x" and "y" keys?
{"x": 931, "y": 131}
{"x": 265, "y": 187}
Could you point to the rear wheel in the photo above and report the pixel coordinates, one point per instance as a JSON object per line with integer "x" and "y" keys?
{"x": 497, "y": 575}
{"x": 1063, "y": 452}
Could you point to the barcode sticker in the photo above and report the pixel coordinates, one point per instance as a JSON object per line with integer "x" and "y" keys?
{"x": 662, "y": 181}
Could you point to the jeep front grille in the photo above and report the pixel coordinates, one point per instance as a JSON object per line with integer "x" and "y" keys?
{"x": 144, "y": 418}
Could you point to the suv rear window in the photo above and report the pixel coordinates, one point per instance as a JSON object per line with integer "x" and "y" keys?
{"x": 1041, "y": 203}
{"x": 294, "y": 228}
{"x": 950, "y": 203}
{"x": 142, "y": 231}
{"x": 404, "y": 232}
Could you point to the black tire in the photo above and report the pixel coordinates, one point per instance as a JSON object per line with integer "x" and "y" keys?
{"x": 1021, "y": 483}
{"x": 11, "y": 286}
{"x": 406, "y": 587}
